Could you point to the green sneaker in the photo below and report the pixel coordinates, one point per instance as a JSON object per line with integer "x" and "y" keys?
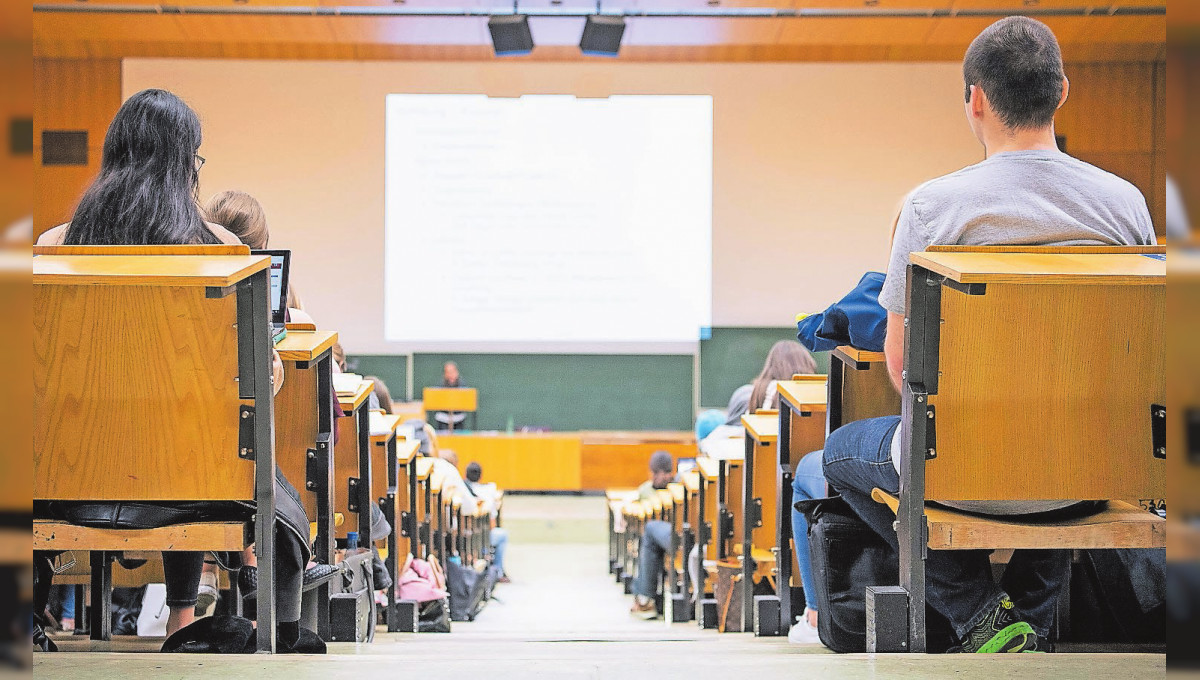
{"x": 1000, "y": 631}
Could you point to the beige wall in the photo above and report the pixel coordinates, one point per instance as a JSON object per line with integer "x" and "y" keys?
{"x": 810, "y": 163}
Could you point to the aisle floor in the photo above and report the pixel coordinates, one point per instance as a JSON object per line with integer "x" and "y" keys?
{"x": 565, "y": 617}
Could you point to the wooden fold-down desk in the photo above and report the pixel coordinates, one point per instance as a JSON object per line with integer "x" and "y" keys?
{"x": 800, "y": 429}
{"x": 352, "y": 461}
{"x": 304, "y": 439}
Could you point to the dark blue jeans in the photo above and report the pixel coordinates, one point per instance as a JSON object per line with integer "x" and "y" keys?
{"x": 958, "y": 583}
{"x": 656, "y": 541}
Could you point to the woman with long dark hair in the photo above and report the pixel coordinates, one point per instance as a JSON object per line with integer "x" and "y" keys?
{"x": 146, "y": 194}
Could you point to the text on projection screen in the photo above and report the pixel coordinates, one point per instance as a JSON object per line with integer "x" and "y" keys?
{"x": 548, "y": 219}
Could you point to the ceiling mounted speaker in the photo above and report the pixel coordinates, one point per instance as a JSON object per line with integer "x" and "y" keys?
{"x": 510, "y": 34}
{"x": 602, "y": 35}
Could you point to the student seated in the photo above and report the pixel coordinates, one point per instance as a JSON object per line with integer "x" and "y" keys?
{"x": 656, "y": 539}
{"x": 487, "y": 495}
{"x": 1026, "y": 192}
{"x": 145, "y": 194}
{"x": 381, "y": 396}
{"x": 243, "y": 216}
{"x": 786, "y": 359}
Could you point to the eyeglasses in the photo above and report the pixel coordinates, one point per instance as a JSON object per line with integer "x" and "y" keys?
{"x": 199, "y": 161}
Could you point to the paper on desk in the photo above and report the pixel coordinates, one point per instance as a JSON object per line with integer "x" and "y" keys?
{"x": 379, "y": 424}
{"x": 346, "y": 384}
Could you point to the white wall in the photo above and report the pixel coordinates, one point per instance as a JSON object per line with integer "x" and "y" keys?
{"x": 810, "y": 164}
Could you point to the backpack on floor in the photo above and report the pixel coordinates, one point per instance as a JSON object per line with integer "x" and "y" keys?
{"x": 467, "y": 590}
{"x": 847, "y": 556}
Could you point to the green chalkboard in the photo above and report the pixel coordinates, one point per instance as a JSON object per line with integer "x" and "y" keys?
{"x": 558, "y": 391}
{"x": 733, "y": 357}
{"x": 593, "y": 391}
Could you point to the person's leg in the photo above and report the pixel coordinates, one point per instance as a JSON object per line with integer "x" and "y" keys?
{"x": 1034, "y": 579}
{"x": 181, "y": 571}
{"x": 656, "y": 541}
{"x": 499, "y": 540}
{"x": 808, "y": 484}
{"x": 67, "y": 621}
{"x": 858, "y": 458}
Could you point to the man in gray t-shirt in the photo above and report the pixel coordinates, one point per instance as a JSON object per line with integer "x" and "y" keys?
{"x": 1026, "y": 192}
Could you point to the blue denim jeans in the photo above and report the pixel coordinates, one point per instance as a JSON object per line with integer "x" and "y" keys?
{"x": 499, "y": 539}
{"x": 656, "y": 541}
{"x": 958, "y": 583}
{"x": 809, "y": 483}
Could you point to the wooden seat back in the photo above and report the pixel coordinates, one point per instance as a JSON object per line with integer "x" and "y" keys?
{"x": 138, "y": 382}
{"x": 1048, "y": 376}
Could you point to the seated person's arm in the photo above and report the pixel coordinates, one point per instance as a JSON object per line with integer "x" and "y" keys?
{"x": 893, "y": 349}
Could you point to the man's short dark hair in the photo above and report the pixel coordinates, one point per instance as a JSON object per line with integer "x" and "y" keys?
{"x": 474, "y": 472}
{"x": 1018, "y": 64}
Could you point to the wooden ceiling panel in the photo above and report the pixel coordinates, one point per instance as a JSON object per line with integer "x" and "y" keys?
{"x": 106, "y": 27}
{"x": 259, "y": 28}
{"x": 657, "y": 31}
{"x": 410, "y": 30}
{"x": 882, "y": 32}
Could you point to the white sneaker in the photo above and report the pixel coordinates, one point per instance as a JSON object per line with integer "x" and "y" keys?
{"x": 207, "y": 594}
{"x": 802, "y": 633}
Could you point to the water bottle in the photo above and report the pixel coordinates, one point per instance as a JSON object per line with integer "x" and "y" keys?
{"x": 351, "y": 541}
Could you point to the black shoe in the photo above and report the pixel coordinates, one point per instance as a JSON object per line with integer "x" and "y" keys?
{"x": 379, "y": 573}
{"x": 1001, "y": 631}
{"x": 248, "y": 582}
{"x": 320, "y": 574}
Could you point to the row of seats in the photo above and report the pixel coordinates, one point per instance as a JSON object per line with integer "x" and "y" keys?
{"x": 1030, "y": 374}
{"x": 193, "y": 418}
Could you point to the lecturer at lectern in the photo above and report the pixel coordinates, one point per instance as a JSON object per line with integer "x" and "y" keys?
{"x": 450, "y": 378}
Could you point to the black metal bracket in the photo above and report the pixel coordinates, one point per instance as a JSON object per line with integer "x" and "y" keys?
{"x": 968, "y": 288}
{"x": 726, "y": 527}
{"x": 930, "y": 433}
{"x": 1158, "y": 430}
{"x": 352, "y": 495}
{"x": 312, "y": 470}
{"x": 408, "y": 524}
{"x": 1192, "y": 425}
{"x": 246, "y": 432}
{"x": 706, "y": 532}
{"x": 756, "y": 512}
{"x": 218, "y": 292}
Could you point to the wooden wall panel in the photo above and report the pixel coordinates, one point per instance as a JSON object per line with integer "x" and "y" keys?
{"x": 1114, "y": 118}
{"x": 70, "y": 94}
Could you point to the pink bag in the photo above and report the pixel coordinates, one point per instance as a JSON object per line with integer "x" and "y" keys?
{"x": 419, "y": 583}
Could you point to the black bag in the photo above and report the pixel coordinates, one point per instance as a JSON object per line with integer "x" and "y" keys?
{"x": 434, "y": 616}
{"x": 1119, "y": 595}
{"x": 847, "y": 556}
{"x": 467, "y": 590}
{"x": 232, "y": 635}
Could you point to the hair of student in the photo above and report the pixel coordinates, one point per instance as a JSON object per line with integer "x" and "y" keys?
{"x": 293, "y": 298}
{"x": 382, "y": 393}
{"x": 146, "y": 192}
{"x": 474, "y": 472}
{"x": 1018, "y": 63}
{"x": 786, "y": 358}
{"x": 339, "y": 356}
{"x": 241, "y": 214}
{"x": 661, "y": 461}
